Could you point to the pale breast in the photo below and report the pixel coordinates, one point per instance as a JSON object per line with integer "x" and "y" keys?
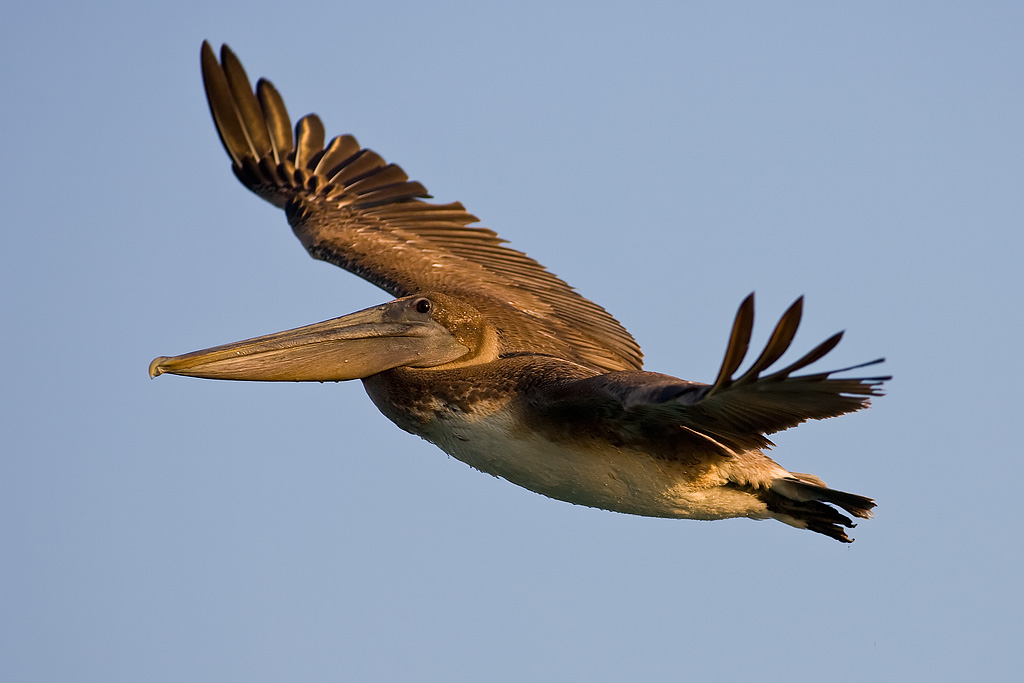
{"x": 583, "y": 472}
{"x": 487, "y": 425}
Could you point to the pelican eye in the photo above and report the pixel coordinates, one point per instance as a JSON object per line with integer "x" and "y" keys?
{"x": 423, "y": 306}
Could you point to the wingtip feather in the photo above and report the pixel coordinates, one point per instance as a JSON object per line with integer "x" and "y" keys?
{"x": 739, "y": 343}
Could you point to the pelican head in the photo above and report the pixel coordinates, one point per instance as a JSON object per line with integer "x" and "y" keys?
{"x": 429, "y": 330}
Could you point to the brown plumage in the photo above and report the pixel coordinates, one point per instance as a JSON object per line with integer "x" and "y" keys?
{"x": 350, "y": 208}
{"x": 502, "y": 364}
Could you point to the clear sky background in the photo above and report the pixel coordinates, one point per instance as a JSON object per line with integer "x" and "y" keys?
{"x": 666, "y": 159}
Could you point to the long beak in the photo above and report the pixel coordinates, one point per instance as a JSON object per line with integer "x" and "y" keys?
{"x": 350, "y": 347}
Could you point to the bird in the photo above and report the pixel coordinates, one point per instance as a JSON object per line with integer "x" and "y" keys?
{"x": 500, "y": 363}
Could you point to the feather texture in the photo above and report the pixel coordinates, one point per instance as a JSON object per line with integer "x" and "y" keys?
{"x": 351, "y": 208}
{"x": 731, "y": 415}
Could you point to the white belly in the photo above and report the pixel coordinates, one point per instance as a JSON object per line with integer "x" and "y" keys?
{"x": 602, "y": 477}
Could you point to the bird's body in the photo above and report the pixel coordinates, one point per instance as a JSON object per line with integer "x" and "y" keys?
{"x": 504, "y": 420}
{"x": 501, "y": 364}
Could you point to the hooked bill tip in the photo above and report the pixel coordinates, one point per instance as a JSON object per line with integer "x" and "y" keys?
{"x": 154, "y": 367}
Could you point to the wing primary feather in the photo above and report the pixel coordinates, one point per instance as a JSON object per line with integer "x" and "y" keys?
{"x": 358, "y": 166}
{"x": 814, "y": 354}
{"x": 341, "y": 149}
{"x": 859, "y": 382}
{"x": 222, "y": 106}
{"x": 777, "y": 344}
{"x": 739, "y": 342}
{"x": 309, "y": 139}
{"x": 858, "y": 366}
{"x": 392, "y": 193}
{"x": 247, "y": 107}
{"x": 382, "y": 177}
{"x": 275, "y": 116}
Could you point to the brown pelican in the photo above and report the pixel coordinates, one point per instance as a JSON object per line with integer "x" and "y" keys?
{"x": 500, "y": 363}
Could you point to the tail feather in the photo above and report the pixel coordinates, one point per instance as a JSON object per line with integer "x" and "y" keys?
{"x": 804, "y": 501}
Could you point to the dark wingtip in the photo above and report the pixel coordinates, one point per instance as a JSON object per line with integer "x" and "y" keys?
{"x": 227, "y": 54}
{"x": 780, "y": 340}
{"x": 739, "y": 343}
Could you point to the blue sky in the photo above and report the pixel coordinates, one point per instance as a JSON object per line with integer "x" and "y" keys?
{"x": 665, "y": 159}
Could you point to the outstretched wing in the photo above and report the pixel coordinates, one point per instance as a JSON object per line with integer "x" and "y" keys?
{"x": 350, "y": 208}
{"x": 737, "y": 412}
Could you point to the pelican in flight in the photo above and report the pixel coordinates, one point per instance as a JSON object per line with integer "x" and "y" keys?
{"x": 500, "y": 363}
